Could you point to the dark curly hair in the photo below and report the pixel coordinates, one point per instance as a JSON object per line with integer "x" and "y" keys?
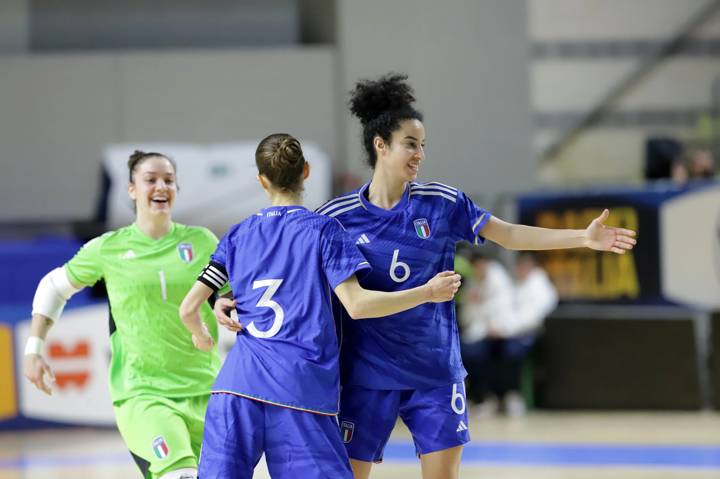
{"x": 381, "y": 105}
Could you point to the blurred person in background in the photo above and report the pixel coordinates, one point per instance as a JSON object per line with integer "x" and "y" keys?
{"x": 535, "y": 298}
{"x": 159, "y": 383}
{"x": 680, "y": 174}
{"x": 664, "y": 160}
{"x": 500, "y": 322}
{"x": 701, "y": 164}
{"x": 486, "y": 315}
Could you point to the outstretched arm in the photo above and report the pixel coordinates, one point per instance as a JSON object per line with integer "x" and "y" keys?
{"x": 190, "y": 315}
{"x": 596, "y": 236}
{"x": 362, "y": 303}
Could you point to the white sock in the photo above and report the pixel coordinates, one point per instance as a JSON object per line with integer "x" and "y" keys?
{"x": 184, "y": 473}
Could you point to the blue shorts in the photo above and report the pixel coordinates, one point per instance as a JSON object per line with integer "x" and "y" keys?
{"x": 437, "y": 419}
{"x": 296, "y": 443}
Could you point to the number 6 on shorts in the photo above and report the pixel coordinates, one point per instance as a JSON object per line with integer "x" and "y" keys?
{"x": 458, "y": 396}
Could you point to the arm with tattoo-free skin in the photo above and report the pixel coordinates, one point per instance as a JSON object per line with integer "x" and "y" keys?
{"x": 362, "y": 303}
{"x": 597, "y": 236}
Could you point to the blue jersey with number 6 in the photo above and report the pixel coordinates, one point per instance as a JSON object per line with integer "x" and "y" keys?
{"x": 282, "y": 264}
{"x": 406, "y": 246}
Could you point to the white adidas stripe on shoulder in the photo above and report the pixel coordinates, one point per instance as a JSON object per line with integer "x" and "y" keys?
{"x": 445, "y": 195}
{"x": 341, "y": 204}
{"x": 434, "y": 186}
{"x": 336, "y": 202}
{"x": 336, "y": 212}
{"x": 437, "y": 183}
{"x": 341, "y": 198}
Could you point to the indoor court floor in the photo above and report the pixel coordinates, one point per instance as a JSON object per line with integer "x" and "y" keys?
{"x": 542, "y": 445}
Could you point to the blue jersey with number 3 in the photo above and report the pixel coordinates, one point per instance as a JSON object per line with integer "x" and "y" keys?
{"x": 282, "y": 264}
{"x": 406, "y": 246}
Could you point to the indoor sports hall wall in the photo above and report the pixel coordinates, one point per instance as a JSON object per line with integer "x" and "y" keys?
{"x": 476, "y": 99}
{"x": 581, "y": 50}
{"x": 59, "y": 112}
{"x": 61, "y": 107}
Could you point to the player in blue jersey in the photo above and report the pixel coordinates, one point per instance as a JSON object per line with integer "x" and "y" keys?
{"x": 408, "y": 364}
{"x": 278, "y": 391}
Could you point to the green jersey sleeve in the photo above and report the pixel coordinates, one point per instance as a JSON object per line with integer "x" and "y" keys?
{"x": 85, "y": 268}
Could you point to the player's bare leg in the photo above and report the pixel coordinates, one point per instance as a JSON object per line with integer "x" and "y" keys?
{"x": 443, "y": 464}
{"x": 361, "y": 469}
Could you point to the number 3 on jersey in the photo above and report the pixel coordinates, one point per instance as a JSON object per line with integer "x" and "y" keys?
{"x": 395, "y": 265}
{"x": 272, "y": 286}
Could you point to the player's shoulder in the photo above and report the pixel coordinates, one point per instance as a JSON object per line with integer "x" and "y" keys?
{"x": 105, "y": 246}
{"x": 246, "y": 224}
{"x": 193, "y": 232}
{"x": 434, "y": 192}
{"x": 119, "y": 235}
{"x": 314, "y": 221}
{"x": 341, "y": 204}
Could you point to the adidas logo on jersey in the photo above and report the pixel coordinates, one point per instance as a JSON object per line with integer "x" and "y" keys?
{"x": 461, "y": 427}
{"x": 363, "y": 239}
{"x": 129, "y": 254}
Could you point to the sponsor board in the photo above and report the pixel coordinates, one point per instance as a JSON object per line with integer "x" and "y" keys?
{"x": 202, "y": 164}
{"x": 78, "y": 351}
{"x": 8, "y": 395}
{"x": 676, "y": 261}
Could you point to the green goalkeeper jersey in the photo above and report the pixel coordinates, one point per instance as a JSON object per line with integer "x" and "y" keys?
{"x": 146, "y": 280}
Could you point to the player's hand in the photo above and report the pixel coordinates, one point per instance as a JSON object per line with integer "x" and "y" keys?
{"x": 608, "y": 238}
{"x": 222, "y": 309}
{"x": 36, "y": 369}
{"x": 443, "y": 286}
{"x": 204, "y": 342}
{"x": 202, "y": 339}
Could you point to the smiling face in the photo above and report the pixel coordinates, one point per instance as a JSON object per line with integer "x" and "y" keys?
{"x": 401, "y": 158}
{"x": 153, "y": 187}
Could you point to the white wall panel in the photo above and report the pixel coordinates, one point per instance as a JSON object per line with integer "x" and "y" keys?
{"x": 14, "y": 22}
{"x": 56, "y": 115}
{"x": 608, "y": 19}
{"x": 606, "y": 155}
{"x": 58, "y": 112}
{"x": 679, "y": 82}
{"x": 468, "y": 61}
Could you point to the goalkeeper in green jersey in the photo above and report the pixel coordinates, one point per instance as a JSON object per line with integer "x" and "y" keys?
{"x": 159, "y": 382}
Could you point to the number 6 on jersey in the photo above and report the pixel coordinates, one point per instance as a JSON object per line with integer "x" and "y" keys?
{"x": 398, "y": 265}
{"x": 272, "y": 286}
